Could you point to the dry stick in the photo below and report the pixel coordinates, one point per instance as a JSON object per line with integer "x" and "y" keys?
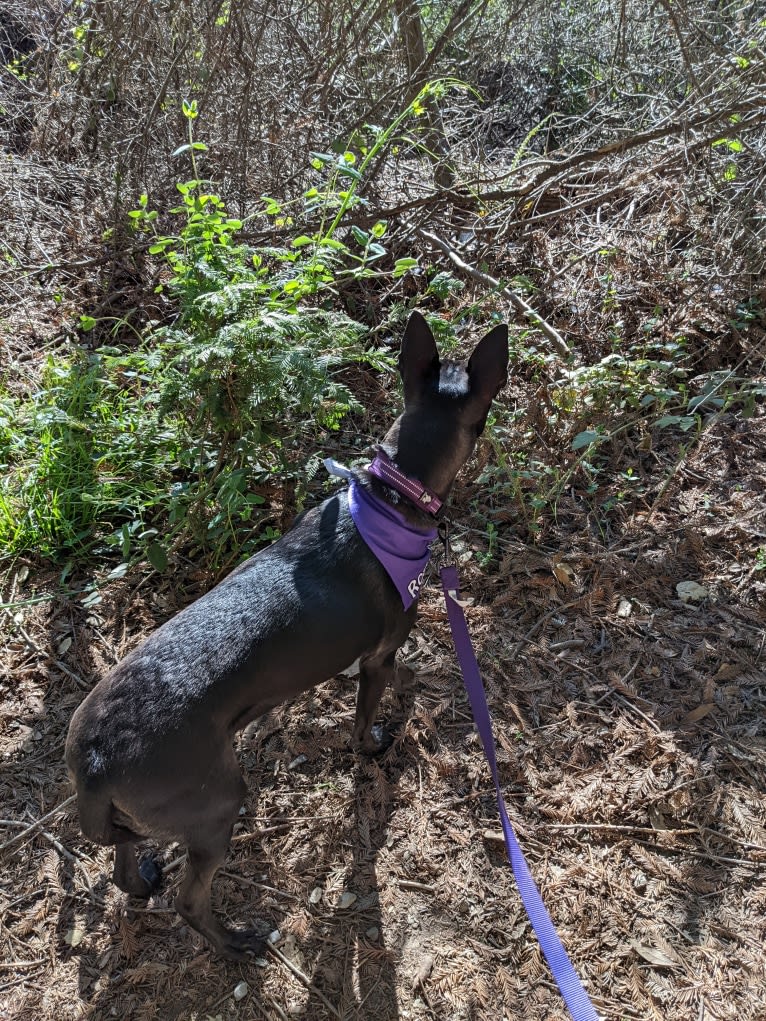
{"x": 518, "y": 303}
{"x": 258, "y": 886}
{"x": 407, "y": 884}
{"x": 304, "y": 979}
{"x": 228, "y": 995}
{"x": 614, "y": 828}
{"x": 538, "y": 624}
{"x": 46, "y": 655}
{"x": 32, "y": 826}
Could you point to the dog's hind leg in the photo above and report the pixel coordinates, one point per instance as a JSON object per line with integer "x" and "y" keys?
{"x": 207, "y": 843}
{"x": 193, "y": 901}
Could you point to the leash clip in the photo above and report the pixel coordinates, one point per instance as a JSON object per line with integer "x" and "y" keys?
{"x": 441, "y": 550}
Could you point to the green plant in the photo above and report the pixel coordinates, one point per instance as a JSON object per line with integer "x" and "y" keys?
{"x": 485, "y": 558}
{"x": 184, "y": 439}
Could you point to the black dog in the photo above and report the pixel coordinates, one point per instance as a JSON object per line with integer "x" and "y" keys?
{"x": 151, "y": 747}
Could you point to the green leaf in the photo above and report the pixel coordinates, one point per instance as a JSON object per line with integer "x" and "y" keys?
{"x": 302, "y": 241}
{"x": 189, "y": 109}
{"x": 350, "y": 172}
{"x": 157, "y": 556}
{"x": 361, "y": 237}
{"x": 87, "y": 323}
{"x": 402, "y": 266}
{"x": 379, "y": 229}
{"x": 585, "y": 438}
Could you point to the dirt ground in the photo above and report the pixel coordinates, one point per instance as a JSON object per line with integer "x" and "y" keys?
{"x": 632, "y": 747}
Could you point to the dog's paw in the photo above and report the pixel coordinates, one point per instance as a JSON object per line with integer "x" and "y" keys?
{"x": 378, "y": 740}
{"x": 151, "y": 874}
{"x": 241, "y": 944}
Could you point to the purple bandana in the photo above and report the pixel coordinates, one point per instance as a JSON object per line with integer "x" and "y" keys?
{"x": 400, "y": 547}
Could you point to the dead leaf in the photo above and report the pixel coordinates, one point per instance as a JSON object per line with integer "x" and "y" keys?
{"x": 653, "y": 956}
{"x": 691, "y": 592}
{"x": 727, "y": 672}
{"x": 564, "y": 573}
{"x": 698, "y": 714}
{"x": 656, "y": 818}
{"x": 424, "y": 971}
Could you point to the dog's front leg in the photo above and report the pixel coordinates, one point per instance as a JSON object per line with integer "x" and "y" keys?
{"x": 374, "y": 674}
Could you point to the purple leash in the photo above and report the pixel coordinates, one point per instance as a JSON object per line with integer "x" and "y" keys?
{"x": 566, "y": 978}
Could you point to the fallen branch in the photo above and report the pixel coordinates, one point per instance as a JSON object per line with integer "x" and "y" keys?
{"x": 29, "y": 828}
{"x": 303, "y": 978}
{"x": 557, "y": 341}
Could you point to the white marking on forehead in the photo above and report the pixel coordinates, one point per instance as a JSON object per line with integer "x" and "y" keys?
{"x": 453, "y": 379}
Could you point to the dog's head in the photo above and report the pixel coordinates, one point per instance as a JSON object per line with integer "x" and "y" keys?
{"x": 446, "y": 403}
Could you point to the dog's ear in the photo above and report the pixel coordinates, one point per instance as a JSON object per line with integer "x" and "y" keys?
{"x": 487, "y": 369}
{"x": 418, "y": 357}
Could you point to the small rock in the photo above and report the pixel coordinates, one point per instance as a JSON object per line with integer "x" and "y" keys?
{"x": 274, "y": 937}
{"x": 346, "y": 900}
{"x": 373, "y": 932}
{"x": 625, "y": 608}
{"x": 298, "y": 761}
{"x": 316, "y": 895}
{"x": 639, "y": 882}
{"x": 691, "y": 592}
{"x": 240, "y": 991}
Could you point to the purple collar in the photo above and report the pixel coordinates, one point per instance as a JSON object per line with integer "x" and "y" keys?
{"x": 401, "y": 548}
{"x": 383, "y": 468}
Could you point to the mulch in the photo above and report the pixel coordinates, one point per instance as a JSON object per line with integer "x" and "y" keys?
{"x": 632, "y": 749}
